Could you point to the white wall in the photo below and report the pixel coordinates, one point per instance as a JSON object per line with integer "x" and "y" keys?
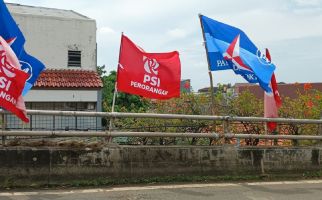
{"x": 61, "y": 96}
{"x": 50, "y": 38}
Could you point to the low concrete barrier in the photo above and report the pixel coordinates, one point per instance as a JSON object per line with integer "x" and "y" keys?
{"x": 48, "y": 164}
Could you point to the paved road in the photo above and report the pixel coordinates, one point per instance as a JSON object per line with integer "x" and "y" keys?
{"x": 293, "y": 190}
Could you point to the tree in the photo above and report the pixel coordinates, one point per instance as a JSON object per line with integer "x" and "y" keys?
{"x": 308, "y": 105}
{"x": 247, "y": 105}
{"x": 101, "y": 70}
{"x": 188, "y": 103}
{"x": 124, "y": 102}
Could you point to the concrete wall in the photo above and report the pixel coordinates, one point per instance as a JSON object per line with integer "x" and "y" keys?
{"x": 49, "y": 164}
{"x": 49, "y": 39}
{"x": 62, "y": 96}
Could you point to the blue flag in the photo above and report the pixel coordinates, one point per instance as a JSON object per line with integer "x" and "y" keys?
{"x": 10, "y": 31}
{"x": 229, "y": 48}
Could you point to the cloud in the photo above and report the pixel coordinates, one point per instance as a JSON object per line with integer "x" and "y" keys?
{"x": 106, "y": 30}
{"x": 310, "y": 3}
{"x": 291, "y": 29}
{"x": 177, "y": 33}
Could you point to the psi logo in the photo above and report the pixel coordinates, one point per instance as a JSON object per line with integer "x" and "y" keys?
{"x": 151, "y": 71}
{"x": 7, "y": 70}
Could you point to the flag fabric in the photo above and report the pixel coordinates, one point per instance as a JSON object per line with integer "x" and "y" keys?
{"x": 270, "y": 109}
{"x": 33, "y": 67}
{"x": 272, "y": 100}
{"x": 277, "y": 96}
{"x": 12, "y": 81}
{"x": 151, "y": 75}
{"x": 14, "y": 37}
{"x": 230, "y": 48}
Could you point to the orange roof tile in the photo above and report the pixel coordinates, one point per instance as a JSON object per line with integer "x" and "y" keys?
{"x": 291, "y": 90}
{"x": 68, "y": 78}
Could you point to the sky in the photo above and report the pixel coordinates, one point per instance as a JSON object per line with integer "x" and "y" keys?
{"x": 290, "y": 29}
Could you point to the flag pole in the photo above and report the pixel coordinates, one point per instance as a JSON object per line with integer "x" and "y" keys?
{"x": 113, "y": 105}
{"x": 114, "y": 96}
{"x": 210, "y": 76}
{"x": 115, "y": 90}
{"x": 209, "y": 70}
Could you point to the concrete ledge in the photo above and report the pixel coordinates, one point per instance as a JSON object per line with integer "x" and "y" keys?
{"x": 47, "y": 164}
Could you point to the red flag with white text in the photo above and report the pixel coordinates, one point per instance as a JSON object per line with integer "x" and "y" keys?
{"x": 12, "y": 82}
{"x": 272, "y": 100}
{"x": 151, "y": 75}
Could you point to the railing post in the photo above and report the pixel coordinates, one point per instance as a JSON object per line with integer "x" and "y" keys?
{"x": 110, "y": 129}
{"x": 226, "y": 129}
{"x": 320, "y": 125}
{"x": 30, "y": 123}
{"x": 3, "y": 127}
{"x": 266, "y": 132}
{"x": 54, "y": 123}
{"x": 320, "y": 128}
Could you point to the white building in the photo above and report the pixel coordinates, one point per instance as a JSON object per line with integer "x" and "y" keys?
{"x": 65, "y": 41}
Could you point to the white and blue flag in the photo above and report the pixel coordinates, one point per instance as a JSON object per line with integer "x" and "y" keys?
{"x": 229, "y": 48}
{"x": 12, "y": 34}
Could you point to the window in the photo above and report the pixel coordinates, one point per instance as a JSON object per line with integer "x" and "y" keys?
{"x": 74, "y": 58}
{"x": 91, "y": 106}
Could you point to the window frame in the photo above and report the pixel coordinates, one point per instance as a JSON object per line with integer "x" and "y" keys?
{"x": 74, "y": 58}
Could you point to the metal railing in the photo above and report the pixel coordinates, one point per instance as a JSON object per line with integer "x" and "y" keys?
{"x": 171, "y": 116}
{"x": 111, "y": 133}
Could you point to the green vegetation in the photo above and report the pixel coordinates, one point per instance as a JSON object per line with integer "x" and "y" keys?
{"x": 308, "y": 105}
{"x": 12, "y": 183}
{"x": 124, "y": 102}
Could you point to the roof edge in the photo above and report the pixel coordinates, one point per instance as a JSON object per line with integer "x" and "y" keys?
{"x": 42, "y": 7}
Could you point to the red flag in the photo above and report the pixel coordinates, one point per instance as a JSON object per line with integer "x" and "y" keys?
{"x": 12, "y": 82}
{"x": 272, "y": 101}
{"x": 152, "y": 75}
